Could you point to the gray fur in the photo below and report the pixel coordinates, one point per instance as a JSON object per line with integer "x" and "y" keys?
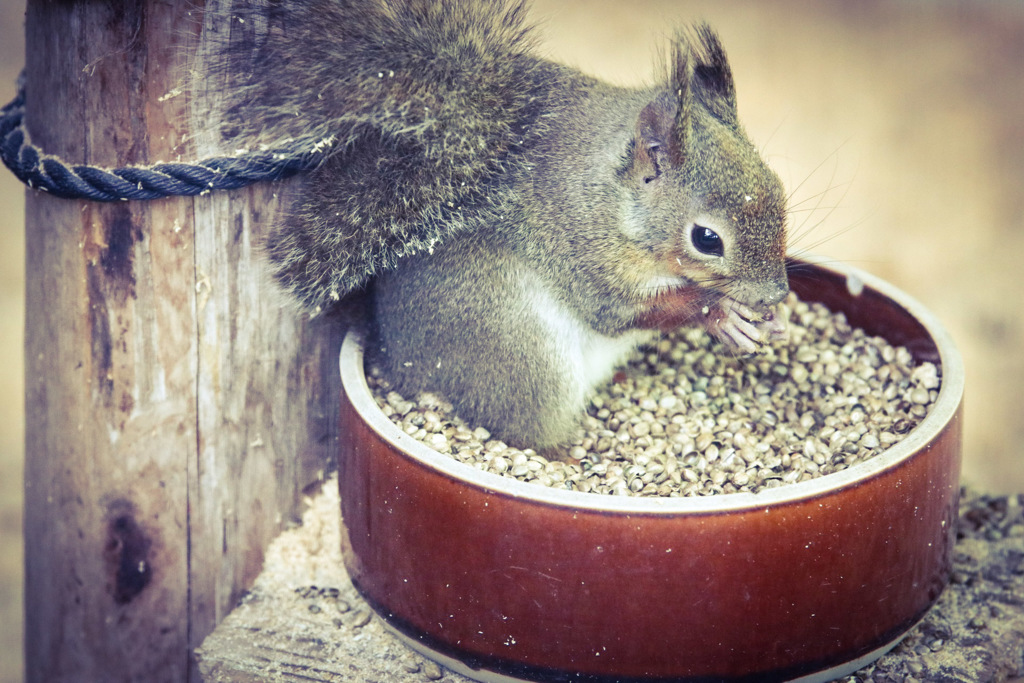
{"x": 517, "y": 216}
{"x": 425, "y": 106}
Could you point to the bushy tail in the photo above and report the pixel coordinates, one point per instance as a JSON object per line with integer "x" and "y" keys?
{"x": 423, "y": 103}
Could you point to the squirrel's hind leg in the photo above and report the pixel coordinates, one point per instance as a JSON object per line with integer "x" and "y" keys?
{"x": 459, "y": 322}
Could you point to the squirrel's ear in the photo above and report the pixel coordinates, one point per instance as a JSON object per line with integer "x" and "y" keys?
{"x": 712, "y": 76}
{"x": 655, "y": 143}
{"x": 682, "y": 94}
{"x": 663, "y": 127}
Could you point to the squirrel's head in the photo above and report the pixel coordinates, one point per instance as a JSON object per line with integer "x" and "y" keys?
{"x": 713, "y": 210}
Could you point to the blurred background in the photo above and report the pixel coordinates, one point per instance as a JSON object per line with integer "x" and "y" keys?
{"x": 12, "y": 320}
{"x": 898, "y": 126}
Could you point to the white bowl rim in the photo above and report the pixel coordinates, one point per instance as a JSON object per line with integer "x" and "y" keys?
{"x": 940, "y": 414}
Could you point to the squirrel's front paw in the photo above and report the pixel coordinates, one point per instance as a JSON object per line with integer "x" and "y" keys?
{"x": 742, "y": 328}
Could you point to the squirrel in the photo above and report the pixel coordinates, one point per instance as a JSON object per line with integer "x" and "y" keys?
{"x": 519, "y": 227}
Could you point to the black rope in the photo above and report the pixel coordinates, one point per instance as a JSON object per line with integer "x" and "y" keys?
{"x": 49, "y": 174}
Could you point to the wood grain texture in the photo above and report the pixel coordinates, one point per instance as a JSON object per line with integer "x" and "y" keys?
{"x": 175, "y": 409}
{"x": 304, "y": 620}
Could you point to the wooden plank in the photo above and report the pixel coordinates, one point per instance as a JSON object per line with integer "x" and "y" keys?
{"x": 304, "y": 622}
{"x": 262, "y": 385}
{"x": 267, "y": 376}
{"x": 175, "y": 410}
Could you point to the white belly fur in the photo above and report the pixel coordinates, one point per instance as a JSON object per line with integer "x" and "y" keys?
{"x": 588, "y": 357}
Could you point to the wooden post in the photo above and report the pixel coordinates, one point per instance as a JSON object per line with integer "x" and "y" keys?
{"x": 175, "y": 409}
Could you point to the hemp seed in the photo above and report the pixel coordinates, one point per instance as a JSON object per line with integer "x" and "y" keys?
{"x": 687, "y": 418}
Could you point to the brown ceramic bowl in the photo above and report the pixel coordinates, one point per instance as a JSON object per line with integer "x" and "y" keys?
{"x": 502, "y": 580}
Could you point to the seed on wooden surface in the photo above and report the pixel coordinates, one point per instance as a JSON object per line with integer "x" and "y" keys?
{"x": 361, "y": 618}
{"x": 431, "y": 671}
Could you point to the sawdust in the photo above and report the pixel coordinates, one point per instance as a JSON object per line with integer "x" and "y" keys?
{"x": 303, "y": 619}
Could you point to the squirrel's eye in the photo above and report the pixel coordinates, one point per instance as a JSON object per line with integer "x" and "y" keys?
{"x": 707, "y": 241}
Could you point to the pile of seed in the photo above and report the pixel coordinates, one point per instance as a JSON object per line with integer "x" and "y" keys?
{"x": 688, "y": 418}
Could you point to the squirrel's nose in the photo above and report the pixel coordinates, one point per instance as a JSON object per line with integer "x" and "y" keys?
{"x": 762, "y": 295}
{"x": 774, "y": 293}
